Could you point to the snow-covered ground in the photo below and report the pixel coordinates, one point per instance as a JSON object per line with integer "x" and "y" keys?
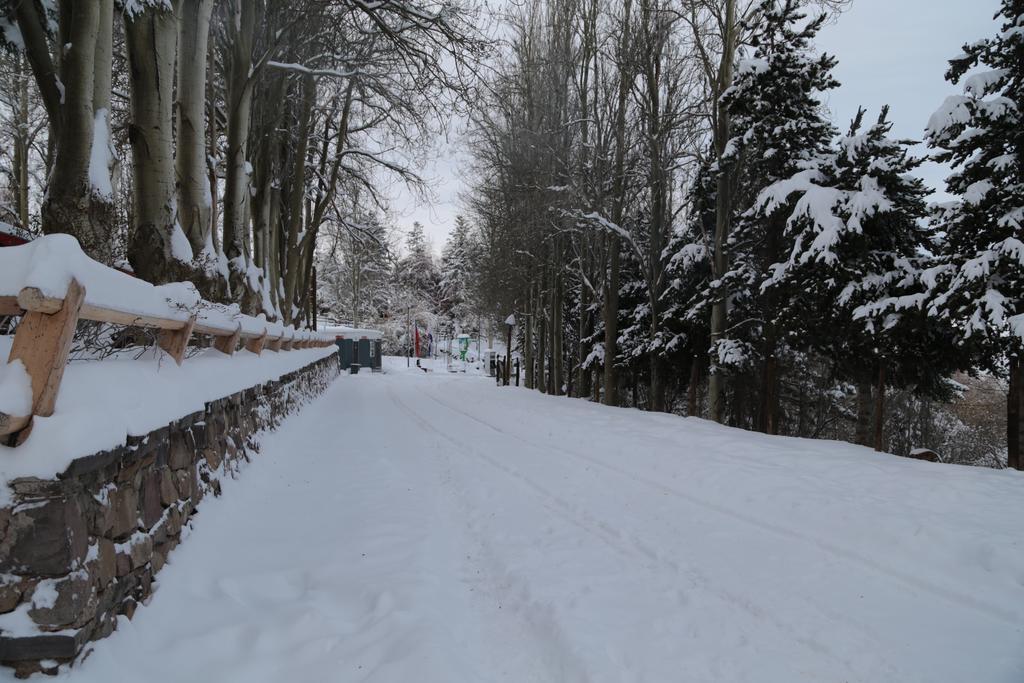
{"x": 430, "y": 527}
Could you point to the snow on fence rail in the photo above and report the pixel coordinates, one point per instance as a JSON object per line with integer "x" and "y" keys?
{"x": 53, "y": 285}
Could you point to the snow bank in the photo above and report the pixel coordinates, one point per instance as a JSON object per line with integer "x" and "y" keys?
{"x": 101, "y": 403}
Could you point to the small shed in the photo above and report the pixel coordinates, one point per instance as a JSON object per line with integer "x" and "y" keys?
{"x": 357, "y": 346}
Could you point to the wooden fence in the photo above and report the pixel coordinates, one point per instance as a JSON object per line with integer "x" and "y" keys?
{"x": 44, "y": 336}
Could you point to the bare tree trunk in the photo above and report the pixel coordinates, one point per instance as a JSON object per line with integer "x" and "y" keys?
{"x": 528, "y": 356}
{"x": 158, "y": 250}
{"x": 241, "y": 30}
{"x": 691, "y": 391}
{"x": 558, "y": 378}
{"x": 1013, "y": 416}
{"x": 213, "y": 147}
{"x": 611, "y": 299}
{"x": 862, "y": 435}
{"x": 195, "y": 197}
{"x": 21, "y": 145}
{"x": 542, "y": 382}
{"x": 880, "y": 409}
{"x": 293, "y": 250}
{"x": 723, "y": 213}
{"x": 72, "y": 205}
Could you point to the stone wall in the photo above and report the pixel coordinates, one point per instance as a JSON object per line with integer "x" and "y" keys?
{"x": 80, "y": 550}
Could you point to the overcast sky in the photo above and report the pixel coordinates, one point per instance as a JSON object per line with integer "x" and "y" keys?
{"x": 890, "y": 52}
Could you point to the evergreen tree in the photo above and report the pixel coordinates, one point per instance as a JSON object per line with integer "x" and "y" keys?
{"x": 779, "y": 131}
{"x": 457, "y": 273}
{"x": 857, "y": 246}
{"x": 978, "y": 282}
{"x": 417, "y": 272}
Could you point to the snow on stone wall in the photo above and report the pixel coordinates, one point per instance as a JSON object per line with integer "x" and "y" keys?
{"x": 80, "y": 550}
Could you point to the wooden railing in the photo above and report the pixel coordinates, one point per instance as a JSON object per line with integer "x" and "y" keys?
{"x": 44, "y": 336}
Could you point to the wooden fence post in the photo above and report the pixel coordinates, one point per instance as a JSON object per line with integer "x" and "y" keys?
{"x": 255, "y": 345}
{"x": 230, "y": 343}
{"x": 175, "y": 342}
{"x": 42, "y": 343}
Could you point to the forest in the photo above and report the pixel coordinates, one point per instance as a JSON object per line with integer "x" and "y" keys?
{"x": 658, "y": 194}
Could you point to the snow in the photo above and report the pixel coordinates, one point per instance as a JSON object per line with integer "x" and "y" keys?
{"x": 447, "y": 530}
{"x": 102, "y": 402}
{"x": 15, "y": 387}
{"x": 45, "y": 595}
{"x": 955, "y": 111}
{"x": 752, "y": 65}
{"x": 350, "y": 332}
{"x": 181, "y": 249}
{"x": 985, "y": 82}
{"x": 12, "y": 33}
{"x": 101, "y": 157}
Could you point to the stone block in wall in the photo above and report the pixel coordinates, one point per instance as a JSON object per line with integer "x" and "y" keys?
{"x": 123, "y": 511}
{"x": 67, "y": 602}
{"x": 168, "y": 492}
{"x": 44, "y": 538}
{"x": 151, "y": 508}
{"x": 181, "y": 447}
{"x": 103, "y": 566}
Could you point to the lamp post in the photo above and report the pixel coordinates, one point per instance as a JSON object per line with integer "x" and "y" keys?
{"x": 510, "y": 322}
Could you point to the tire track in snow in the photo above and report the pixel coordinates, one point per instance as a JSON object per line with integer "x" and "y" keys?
{"x": 612, "y": 538}
{"x": 948, "y": 594}
{"x": 537, "y": 619}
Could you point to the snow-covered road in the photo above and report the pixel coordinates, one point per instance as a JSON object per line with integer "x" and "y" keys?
{"x": 421, "y": 528}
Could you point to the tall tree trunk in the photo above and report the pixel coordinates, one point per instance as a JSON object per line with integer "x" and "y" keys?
{"x": 239, "y": 78}
{"x": 880, "y": 409}
{"x": 611, "y": 324}
{"x": 1014, "y": 416}
{"x": 611, "y": 299}
{"x": 158, "y": 251}
{"x": 528, "y": 356}
{"x": 21, "y": 144}
{"x": 72, "y": 205}
{"x": 542, "y": 377}
{"x": 213, "y": 146}
{"x": 195, "y": 198}
{"x": 656, "y": 184}
{"x": 862, "y": 434}
{"x": 293, "y": 251}
{"x": 691, "y": 390}
{"x": 558, "y": 378}
{"x": 723, "y": 213}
